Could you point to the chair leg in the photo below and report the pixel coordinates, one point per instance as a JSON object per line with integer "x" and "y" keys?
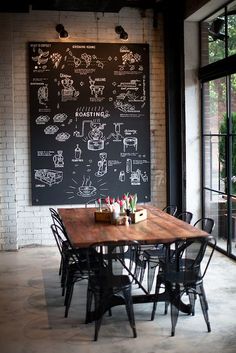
{"x": 151, "y": 273}
{"x": 64, "y": 275}
{"x": 168, "y": 290}
{"x": 88, "y": 305}
{"x": 204, "y": 294}
{"x": 204, "y": 305}
{"x": 130, "y": 310}
{"x": 99, "y": 311}
{"x": 68, "y": 297}
{"x": 141, "y": 273}
{"x": 192, "y": 299}
{"x": 60, "y": 267}
{"x": 158, "y": 285}
{"x": 166, "y": 308}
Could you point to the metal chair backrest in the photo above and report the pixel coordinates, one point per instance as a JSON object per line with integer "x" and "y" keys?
{"x": 56, "y": 218}
{"x": 59, "y": 237}
{"x": 170, "y": 209}
{"x": 118, "y": 257}
{"x": 189, "y": 255}
{"x": 186, "y": 216}
{"x": 77, "y": 255}
{"x": 206, "y": 224}
{"x": 197, "y": 251}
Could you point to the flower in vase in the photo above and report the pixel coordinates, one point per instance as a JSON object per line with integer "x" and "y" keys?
{"x": 122, "y": 206}
{"x": 133, "y": 202}
{"x": 116, "y": 209}
{"x": 112, "y": 200}
{"x": 107, "y": 200}
{"x": 99, "y": 201}
{"x": 109, "y": 203}
{"x": 125, "y": 197}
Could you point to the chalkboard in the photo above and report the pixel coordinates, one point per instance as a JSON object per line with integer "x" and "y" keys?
{"x": 90, "y": 121}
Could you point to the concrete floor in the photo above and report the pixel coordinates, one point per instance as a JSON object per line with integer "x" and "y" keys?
{"x": 32, "y": 313}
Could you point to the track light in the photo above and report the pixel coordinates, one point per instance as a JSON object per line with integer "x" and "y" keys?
{"x": 62, "y": 32}
{"x": 120, "y": 30}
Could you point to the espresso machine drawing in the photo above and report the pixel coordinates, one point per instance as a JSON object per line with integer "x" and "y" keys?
{"x": 136, "y": 176}
{"x": 96, "y": 138}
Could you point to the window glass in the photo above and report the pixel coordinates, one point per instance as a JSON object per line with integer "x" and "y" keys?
{"x": 216, "y": 208}
{"x": 214, "y": 98}
{"x": 218, "y": 41}
{"x": 213, "y": 38}
{"x": 231, "y": 28}
{"x": 233, "y": 132}
{"x": 215, "y": 127}
{"x": 214, "y": 163}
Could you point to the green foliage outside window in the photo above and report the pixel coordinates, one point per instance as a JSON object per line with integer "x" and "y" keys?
{"x": 222, "y": 142}
{"x": 217, "y": 47}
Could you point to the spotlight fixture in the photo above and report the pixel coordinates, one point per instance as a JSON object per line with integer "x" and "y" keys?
{"x": 62, "y": 32}
{"x": 120, "y": 30}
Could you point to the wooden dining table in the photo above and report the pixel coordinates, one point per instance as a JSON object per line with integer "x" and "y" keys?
{"x": 158, "y": 228}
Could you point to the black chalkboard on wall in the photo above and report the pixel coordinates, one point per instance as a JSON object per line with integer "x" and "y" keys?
{"x": 90, "y": 121}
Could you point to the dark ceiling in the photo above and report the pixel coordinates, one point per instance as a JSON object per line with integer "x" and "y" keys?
{"x": 188, "y": 6}
{"x": 78, "y": 5}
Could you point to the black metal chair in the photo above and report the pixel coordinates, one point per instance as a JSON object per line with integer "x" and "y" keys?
{"x": 150, "y": 255}
{"x": 186, "y": 216}
{"x": 170, "y": 209}
{"x": 76, "y": 268}
{"x": 206, "y": 224}
{"x": 110, "y": 283}
{"x": 56, "y": 217}
{"x": 64, "y": 247}
{"x": 184, "y": 275}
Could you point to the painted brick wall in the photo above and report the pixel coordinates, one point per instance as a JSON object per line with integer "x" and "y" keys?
{"x": 8, "y": 220}
{"x": 20, "y": 223}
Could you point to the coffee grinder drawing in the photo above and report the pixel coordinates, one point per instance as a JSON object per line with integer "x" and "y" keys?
{"x": 102, "y": 165}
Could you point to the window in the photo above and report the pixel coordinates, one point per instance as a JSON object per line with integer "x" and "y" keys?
{"x": 213, "y": 39}
{"x": 218, "y": 35}
{"x": 218, "y": 44}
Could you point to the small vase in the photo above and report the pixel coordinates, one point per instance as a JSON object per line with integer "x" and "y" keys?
{"x": 115, "y": 215}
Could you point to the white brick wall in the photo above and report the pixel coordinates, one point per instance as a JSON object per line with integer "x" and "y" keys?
{"x": 8, "y": 220}
{"x": 20, "y": 223}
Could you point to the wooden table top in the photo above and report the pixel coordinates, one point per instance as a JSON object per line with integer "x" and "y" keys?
{"x": 159, "y": 227}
